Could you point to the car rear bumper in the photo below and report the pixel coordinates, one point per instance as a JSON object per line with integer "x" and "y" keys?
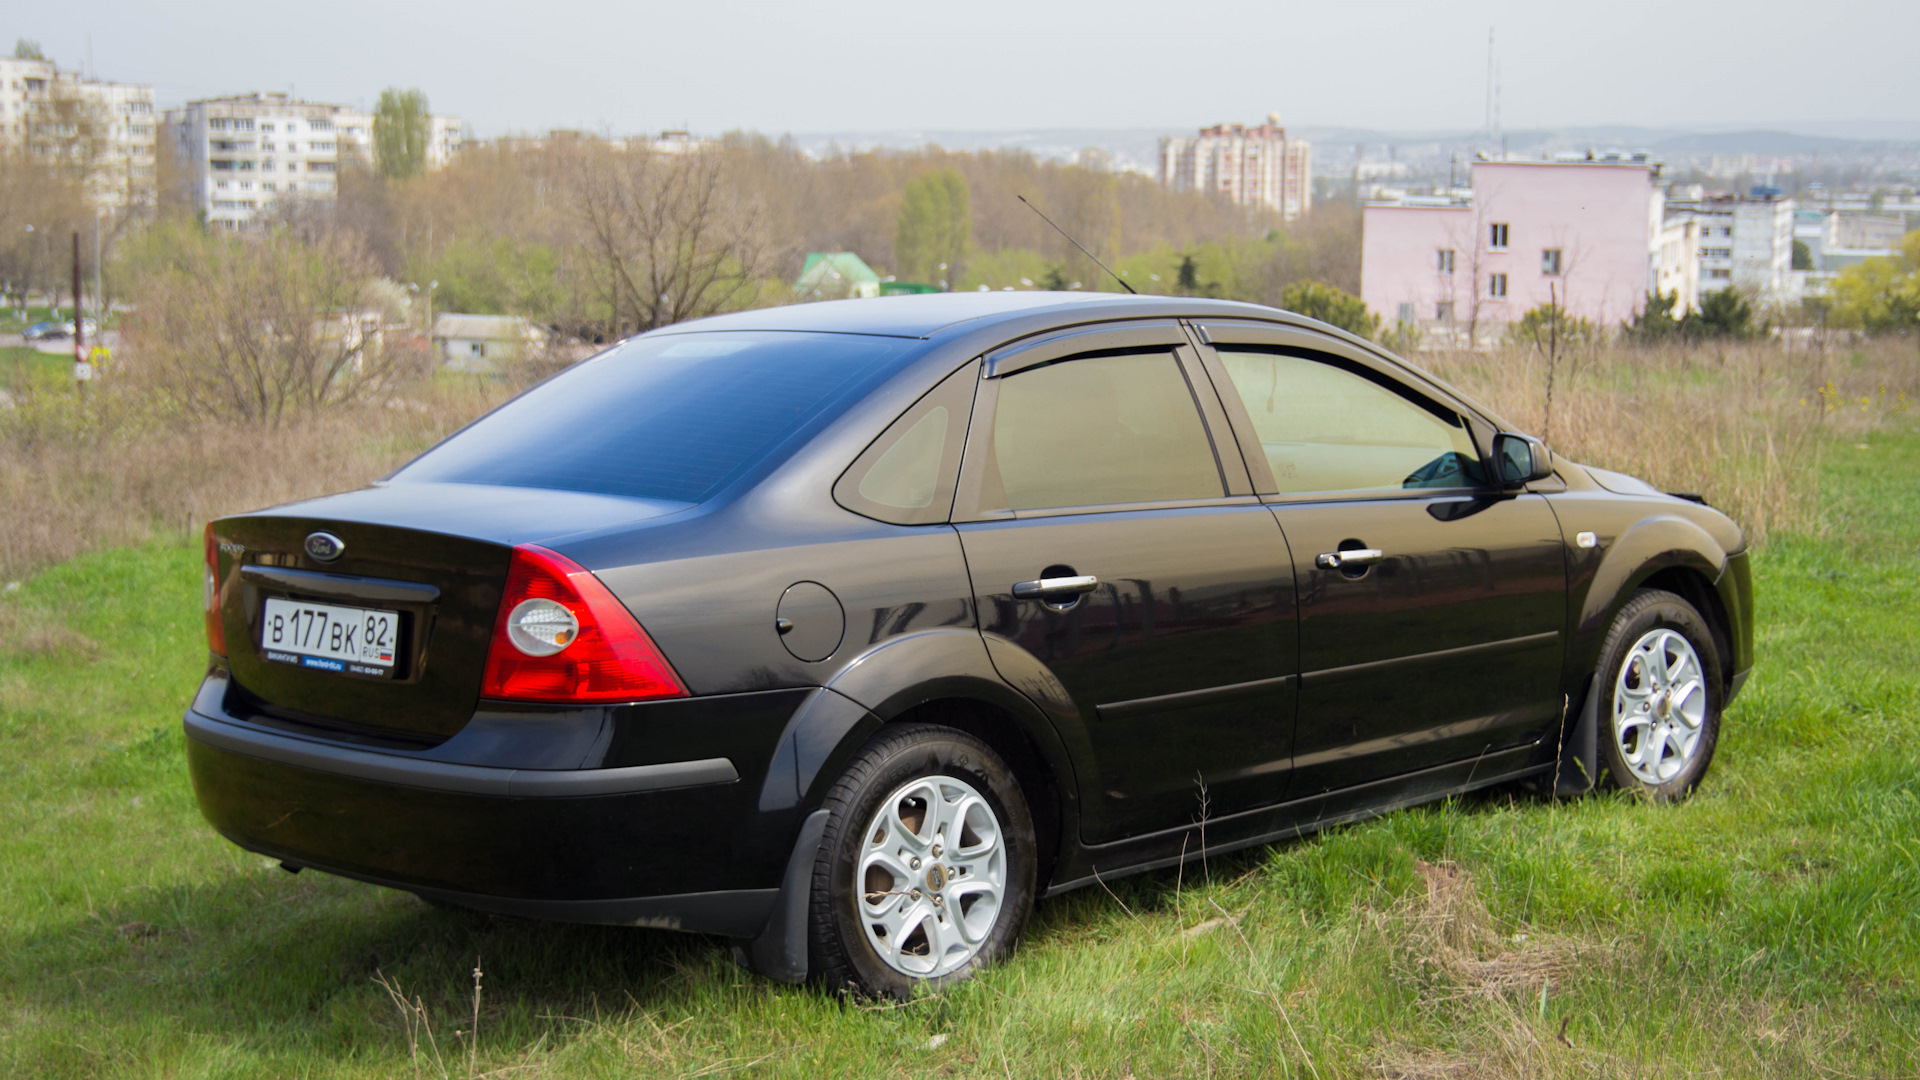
{"x": 679, "y": 844}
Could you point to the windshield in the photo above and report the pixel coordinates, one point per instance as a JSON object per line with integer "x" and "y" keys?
{"x": 675, "y": 417}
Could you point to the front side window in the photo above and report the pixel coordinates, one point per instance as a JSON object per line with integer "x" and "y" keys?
{"x": 1101, "y": 430}
{"x": 1328, "y": 428}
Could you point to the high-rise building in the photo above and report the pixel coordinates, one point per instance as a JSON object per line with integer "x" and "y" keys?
{"x": 241, "y": 155}
{"x": 103, "y": 131}
{"x": 1249, "y": 166}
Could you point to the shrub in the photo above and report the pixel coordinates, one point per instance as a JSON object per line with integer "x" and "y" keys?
{"x": 1549, "y": 327}
{"x": 1330, "y": 306}
{"x": 255, "y": 328}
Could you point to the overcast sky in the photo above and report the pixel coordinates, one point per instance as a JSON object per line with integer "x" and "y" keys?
{"x": 845, "y": 66}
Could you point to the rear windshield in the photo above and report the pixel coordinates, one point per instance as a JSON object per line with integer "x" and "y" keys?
{"x": 676, "y": 417}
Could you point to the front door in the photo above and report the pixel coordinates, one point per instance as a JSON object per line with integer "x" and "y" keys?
{"x": 1106, "y": 546}
{"x": 1431, "y": 604}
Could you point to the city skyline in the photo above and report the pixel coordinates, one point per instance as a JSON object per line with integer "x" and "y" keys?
{"x": 729, "y": 66}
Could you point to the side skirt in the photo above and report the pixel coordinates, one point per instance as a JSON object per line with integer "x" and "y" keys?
{"x": 1295, "y": 819}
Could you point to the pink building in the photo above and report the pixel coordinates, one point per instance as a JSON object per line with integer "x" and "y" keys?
{"x": 1590, "y": 233}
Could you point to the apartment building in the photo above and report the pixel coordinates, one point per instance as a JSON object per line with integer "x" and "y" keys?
{"x": 105, "y": 131}
{"x": 1589, "y": 233}
{"x": 1248, "y": 166}
{"x": 1746, "y": 241}
{"x": 242, "y": 155}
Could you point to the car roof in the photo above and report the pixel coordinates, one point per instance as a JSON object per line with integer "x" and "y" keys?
{"x": 925, "y": 315}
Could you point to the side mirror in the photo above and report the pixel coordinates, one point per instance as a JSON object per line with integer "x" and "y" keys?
{"x": 1521, "y": 459}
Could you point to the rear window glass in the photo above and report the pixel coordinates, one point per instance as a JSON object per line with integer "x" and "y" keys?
{"x": 675, "y": 417}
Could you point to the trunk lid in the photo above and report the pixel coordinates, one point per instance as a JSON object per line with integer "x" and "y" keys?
{"x": 428, "y": 561}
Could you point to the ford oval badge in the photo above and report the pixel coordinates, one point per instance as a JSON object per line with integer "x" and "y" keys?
{"x": 324, "y": 546}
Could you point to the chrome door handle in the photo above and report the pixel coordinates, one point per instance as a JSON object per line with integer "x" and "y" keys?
{"x": 1334, "y": 560}
{"x": 1055, "y": 588}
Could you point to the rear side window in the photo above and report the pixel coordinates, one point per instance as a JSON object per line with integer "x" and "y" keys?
{"x": 1326, "y": 428}
{"x": 675, "y": 417}
{"x": 1101, "y": 430}
{"x": 907, "y": 475}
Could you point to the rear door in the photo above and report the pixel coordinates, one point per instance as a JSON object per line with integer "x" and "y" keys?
{"x": 1431, "y": 602}
{"x": 1108, "y": 536}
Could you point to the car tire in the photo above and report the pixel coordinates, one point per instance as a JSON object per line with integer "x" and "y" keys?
{"x": 927, "y": 867}
{"x": 1661, "y": 694}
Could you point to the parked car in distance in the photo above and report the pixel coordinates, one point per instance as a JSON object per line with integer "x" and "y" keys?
{"x": 848, "y": 630}
{"x": 55, "y": 331}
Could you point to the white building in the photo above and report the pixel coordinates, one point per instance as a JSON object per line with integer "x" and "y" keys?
{"x": 105, "y": 130}
{"x": 484, "y": 344}
{"x": 1746, "y": 242}
{"x": 1248, "y": 166}
{"x": 445, "y": 136}
{"x": 243, "y": 154}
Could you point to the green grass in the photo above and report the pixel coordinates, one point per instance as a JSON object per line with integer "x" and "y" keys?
{"x": 24, "y": 363}
{"x": 1769, "y": 927}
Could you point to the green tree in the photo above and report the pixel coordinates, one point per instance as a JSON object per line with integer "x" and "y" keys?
{"x": 1189, "y": 276}
{"x": 1802, "y": 255}
{"x": 1723, "y": 314}
{"x": 27, "y": 49}
{"x": 1330, "y": 306}
{"x": 1656, "y": 321}
{"x": 401, "y": 128}
{"x": 935, "y": 227}
{"x": 1881, "y": 294}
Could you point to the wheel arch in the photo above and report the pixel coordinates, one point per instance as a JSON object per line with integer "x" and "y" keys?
{"x": 942, "y": 676}
{"x": 1663, "y": 552}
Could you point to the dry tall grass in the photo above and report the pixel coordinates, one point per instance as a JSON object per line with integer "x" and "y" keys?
{"x": 1743, "y": 424}
{"x": 78, "y": 475}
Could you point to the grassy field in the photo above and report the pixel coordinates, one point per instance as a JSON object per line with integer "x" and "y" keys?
{"x": 1770, "y": 927}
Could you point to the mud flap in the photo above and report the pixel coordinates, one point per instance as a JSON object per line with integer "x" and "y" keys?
{"x": 780, "y": 952}
{"x": 1578, "y": 770}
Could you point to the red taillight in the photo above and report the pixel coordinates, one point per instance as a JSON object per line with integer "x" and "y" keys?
{"x": 210, "y": 596}
{"x": 607, "y": 658}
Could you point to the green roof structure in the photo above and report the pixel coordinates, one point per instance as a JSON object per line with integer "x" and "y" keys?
{"x": 835, "y": 275}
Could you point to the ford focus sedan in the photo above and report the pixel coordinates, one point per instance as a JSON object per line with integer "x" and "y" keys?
{"x": 849, "y": 630}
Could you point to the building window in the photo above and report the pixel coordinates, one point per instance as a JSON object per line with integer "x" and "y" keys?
{"x": 1550, "y": 262}
{"x": 1443, "y": 311}
{"x": 1443, "y": 260}
{"x": 1497, "y": 285}
{"x": 1497, "y": 235}
{"x": 1720, "y": 273}
{"x": 1405, "y": 314}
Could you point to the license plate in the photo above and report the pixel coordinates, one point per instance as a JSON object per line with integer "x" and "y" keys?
{"x": 330, "y": 637}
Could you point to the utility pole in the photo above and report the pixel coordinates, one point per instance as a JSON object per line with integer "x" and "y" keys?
{"x": 81, "y": 370}
{"x": 99, "y": 294}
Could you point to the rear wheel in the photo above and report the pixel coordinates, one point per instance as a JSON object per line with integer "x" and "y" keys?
{"x": 926, "y": 872}
{"x": 1660, "y": 696}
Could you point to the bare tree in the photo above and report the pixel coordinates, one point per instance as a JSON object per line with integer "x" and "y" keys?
{"x": 259, "y": 327}
{"x": 665, "y": 239}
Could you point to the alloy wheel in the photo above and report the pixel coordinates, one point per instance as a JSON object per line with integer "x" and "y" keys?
{"x": 931, "y": 876}
{"x": 1659, "y": 706}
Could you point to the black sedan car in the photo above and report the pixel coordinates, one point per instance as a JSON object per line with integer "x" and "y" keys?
{"x": 848, "y": 630}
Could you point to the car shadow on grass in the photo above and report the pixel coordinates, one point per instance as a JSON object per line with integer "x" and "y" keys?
{"x": 313, "y": 964}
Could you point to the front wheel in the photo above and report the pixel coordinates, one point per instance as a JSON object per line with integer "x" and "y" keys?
{"x": 1660, "y": 696}
{"x": 926, "y": 871}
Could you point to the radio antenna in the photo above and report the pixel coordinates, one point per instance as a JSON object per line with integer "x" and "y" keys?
{"x": 1076, "y": 243}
